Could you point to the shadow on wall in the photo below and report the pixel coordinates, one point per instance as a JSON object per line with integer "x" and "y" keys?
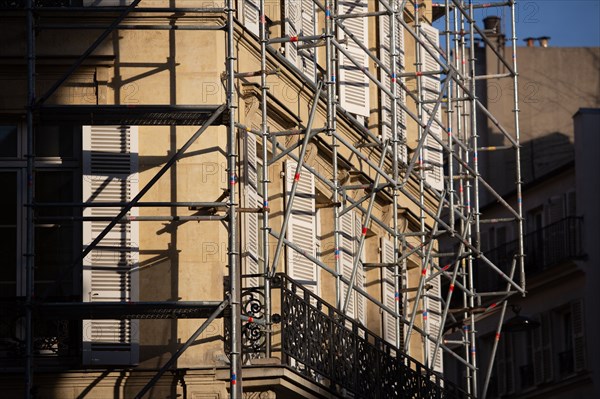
{"x": 539, "y": 158}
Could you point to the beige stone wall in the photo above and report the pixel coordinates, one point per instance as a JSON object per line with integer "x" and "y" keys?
{"x": 187, "y": 260}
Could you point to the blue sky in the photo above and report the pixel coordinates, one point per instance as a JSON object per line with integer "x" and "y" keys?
{"x": 569, "y": 23}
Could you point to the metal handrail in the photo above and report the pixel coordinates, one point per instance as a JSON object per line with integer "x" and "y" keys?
{"x": 324, "y": 344}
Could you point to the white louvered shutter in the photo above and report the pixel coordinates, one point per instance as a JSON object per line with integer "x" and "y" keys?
{"x": 434, "y": 311}
{"x": 292, "y": 26}
{"x": 388, "y": 291}
{"x": 361, "y": 301}
{"x": 251, "y": 200}
{"x": 308, "y": 56}
{"x": 251, "y": 13}
{"x": 110, "y": 163}
{"x": 353, "y": 83}
{"x": 385, "y": 54}
{"x": 301, "y": 227}
{"x": 402, "y": 149}
{"x": 432, "y": 150}
{"x": 578, "y": 335}
{"x": 347, "y": 257}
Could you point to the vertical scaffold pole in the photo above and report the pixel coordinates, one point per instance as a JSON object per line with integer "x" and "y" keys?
{"x": 30, "y": 228}
{"x": 235, "y": 384}
{"x": 265, "y": 172}
{"x": 450, "y": 112}
{"x": 422, "y": 224}
{"x": 394, "y": 48}
{"x": 475, "y": 204}
{"x": 516, "y": 111}
{"x": 330, "y": 65}
{"x": 464, "y": 185}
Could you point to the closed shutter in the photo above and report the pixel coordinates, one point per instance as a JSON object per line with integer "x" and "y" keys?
{"x": 506, "y": 375}
{"x": 555, "y": 209}
{"x": 555, "y": 245}
{"x": 109, "y": 271}
{"x": 571, "y": 208}
{"x": 402, "y": 148}
{"x": 301, "y": 227}
{"x": 353, "y": 83}
{"x": 251, "y": 15}
{"x": 543, "y": 369}
{"x": 388, "y": 291}
{"x": 578, "y": 334}
{"x": 385, "y": 54}
{"x": 251, "y": 200}
{"x": 361, "y": 301}
{"x": 432, "y": 150}
{"x": 292, "y": 26}
{"x": 346, "y": 257}
{"x": 351, "y": 229}
{"x": 434, "y": 311}
{"x": 547, "y": 355}
{"x": 538, "y": 354}
{"x": 308, "y": 56}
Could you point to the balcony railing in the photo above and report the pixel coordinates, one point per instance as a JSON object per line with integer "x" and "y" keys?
{"x": 544, "y": 248}
{"x": 340, "y": 354}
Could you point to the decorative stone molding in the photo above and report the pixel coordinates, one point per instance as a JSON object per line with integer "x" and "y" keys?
{"x": 260, "y": 395}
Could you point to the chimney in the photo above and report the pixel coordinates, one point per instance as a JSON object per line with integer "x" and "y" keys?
{"x": 544, "y": 41}
{"x": 530, "y": 41}
{"x": 492, "y": 25}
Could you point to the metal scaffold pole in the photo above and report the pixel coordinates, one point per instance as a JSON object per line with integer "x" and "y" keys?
{"x": 235, "y": 384}
{"x": 265, "y": 174}
{"x": 519, "y": 181}
{"x": 474, "y": 229}
{"x": 29, "y": 256}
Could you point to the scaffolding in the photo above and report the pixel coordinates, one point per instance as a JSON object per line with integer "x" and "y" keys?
{"x": 445, "y": 118}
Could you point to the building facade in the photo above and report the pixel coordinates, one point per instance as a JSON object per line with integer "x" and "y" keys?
{"x": 555, "y": 358}
{"x": 205, "y": 197}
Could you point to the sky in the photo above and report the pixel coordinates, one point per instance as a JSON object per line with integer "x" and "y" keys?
{"x": 569, "y": 23}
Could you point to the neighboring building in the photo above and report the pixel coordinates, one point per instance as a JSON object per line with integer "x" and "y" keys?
{"x": 116, "y": 121}
{"x": 557, "y": 359}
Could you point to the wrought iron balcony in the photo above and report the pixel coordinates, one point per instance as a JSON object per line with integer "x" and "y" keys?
{"x": 339, "y": 353}
{"x": 545, "y": 248}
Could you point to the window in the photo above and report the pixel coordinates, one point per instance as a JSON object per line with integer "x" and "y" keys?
{"x": 386, "y": 49}
{"x": 351, "y": 231}
{"x": 301, "y": 230}
{"x": 110, "y": 162}
{"x": 58, "y": 183}
{"x": 9, "y": 232}
{"x": 353, "y": 83}
{"x": 569, "y": 338}
{"x": 252, "y": 237}
{"x": 8, "y": 141}
{"x": 56, "y": 176}
{"x": 432, "y": 150}
{"x": 56, "y": 234}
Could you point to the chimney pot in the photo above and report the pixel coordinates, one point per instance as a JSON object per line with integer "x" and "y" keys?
{"x": 544, "y": 41}
{"x": 492, "y": 24}
{"x": 530, "y": 41}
